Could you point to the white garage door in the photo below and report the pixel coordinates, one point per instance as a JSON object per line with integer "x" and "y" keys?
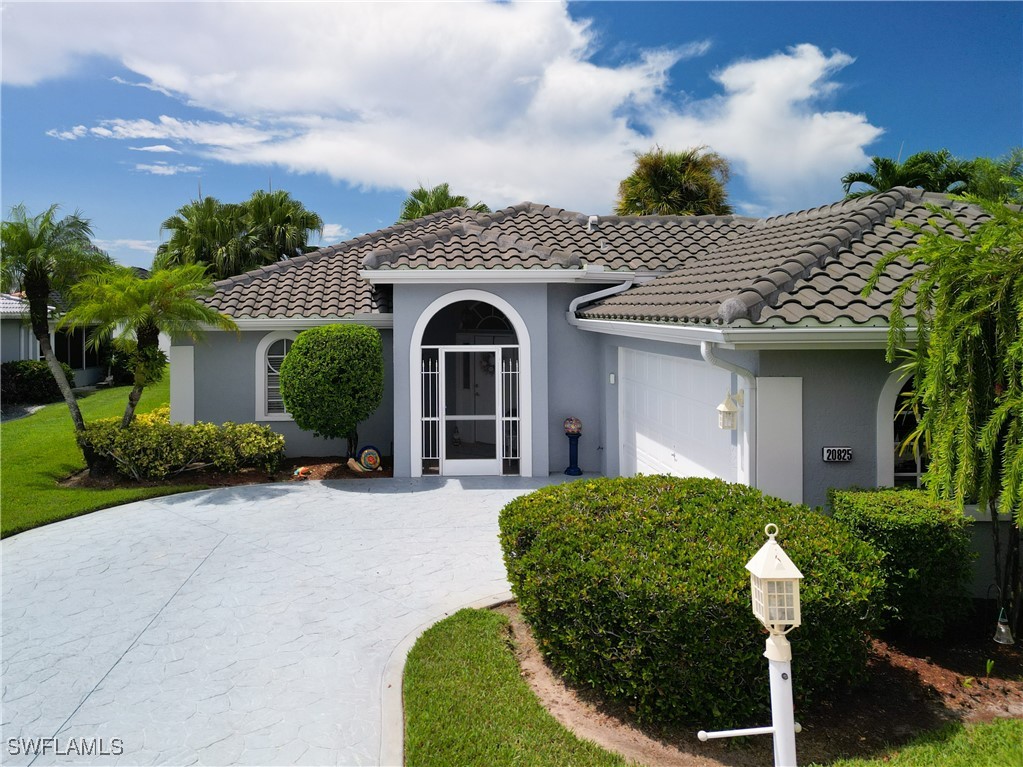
{"x": 668, "y": 417}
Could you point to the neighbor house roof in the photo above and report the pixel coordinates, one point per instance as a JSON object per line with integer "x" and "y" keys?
{"x": 13, "y": 306}
{"x": 805, "y": 267}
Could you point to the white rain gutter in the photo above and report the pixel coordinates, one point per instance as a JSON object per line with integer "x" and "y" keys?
{"x": 750, "y": 404}
{"x": 577, "y": 302}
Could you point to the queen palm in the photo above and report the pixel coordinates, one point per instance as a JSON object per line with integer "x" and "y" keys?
{"x": 277, "y": 226}
{"x": 930, "y": 171}
{"x": 117, "y": 303}
{"x": 687, "y": 183}
{"x": 43, "y": 254}
{"x": 205, "y": 231}
{"x": 422, "y": 202}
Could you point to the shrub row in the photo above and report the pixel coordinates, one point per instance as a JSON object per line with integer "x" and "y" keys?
{"x": 637, "y": 587}
{"x": 30, "y": 381}
{"x": 927, "y": 559}
{"x": 154, "y": 448}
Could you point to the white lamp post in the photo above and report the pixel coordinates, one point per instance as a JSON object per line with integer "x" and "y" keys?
{"x": 775, "y": 583}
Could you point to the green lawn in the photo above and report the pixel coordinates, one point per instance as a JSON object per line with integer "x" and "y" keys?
{"x": 998, "y": 744}
{"x": 466, "y": 703}
{"x": 39, "y": 450}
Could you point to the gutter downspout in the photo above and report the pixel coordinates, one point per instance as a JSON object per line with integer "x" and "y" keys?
{"x": 577, "y": 302}
{"x": 707, "y": 352}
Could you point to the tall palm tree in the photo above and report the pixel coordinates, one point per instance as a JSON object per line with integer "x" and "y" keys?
{"x": 687, "y": 183}
{"x": 422, "y": 202}
{"x": 42, "y": 254}
{"x": 931, "y": 171}
{"x": 277, "y": 226}
{"x": 117, "y": 303}
{"x": 998, "y": 180}
{"x": 205, "y": 231}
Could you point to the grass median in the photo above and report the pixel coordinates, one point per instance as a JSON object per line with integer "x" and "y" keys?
{"x": 39, "y": 451}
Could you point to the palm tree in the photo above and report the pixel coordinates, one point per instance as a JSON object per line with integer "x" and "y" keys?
{"x": 931, "y": 171}
{"x": 134, "y": 311}
{"x": 687, "y": 183}
{"x": 422, "y": 202}
{"x": 205, "y": 231}
{"x": 998, "y": 180}
{"x": 43, "y": 254}
{"x": 277, "y": 226}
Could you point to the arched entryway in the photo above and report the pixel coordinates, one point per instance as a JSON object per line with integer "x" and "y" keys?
{"x": 898, "y": 465}
{"x": 469, "y": 383}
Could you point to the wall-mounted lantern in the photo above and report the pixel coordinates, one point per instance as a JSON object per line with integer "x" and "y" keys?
{"x": 728, "y": 412}
{"x": 774, "y": 580}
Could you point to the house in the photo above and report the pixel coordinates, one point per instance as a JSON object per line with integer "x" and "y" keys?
{"x": 18, "y": 342}
{"x": 497, "y": 326}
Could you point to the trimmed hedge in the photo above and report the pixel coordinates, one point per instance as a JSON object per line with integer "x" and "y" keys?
{"x": 30, "y": 381}
{"x": 638, "y": 587}
{"x": 154, "y": 448}
{"x": 928, "y": 561}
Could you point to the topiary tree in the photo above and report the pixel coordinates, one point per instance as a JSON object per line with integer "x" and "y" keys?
{"x": 332, "y": 379}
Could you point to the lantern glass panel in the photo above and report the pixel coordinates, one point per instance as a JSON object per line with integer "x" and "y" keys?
{"x": 758, "y": 599}
{"x": 781, "y": 602}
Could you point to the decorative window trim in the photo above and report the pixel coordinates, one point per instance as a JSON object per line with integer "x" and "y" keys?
{"x": 885, "y": 424}
{"x": 261, "y": 383}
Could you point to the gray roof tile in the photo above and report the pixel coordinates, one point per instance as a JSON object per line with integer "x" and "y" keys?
{"x": 807, "y": 266}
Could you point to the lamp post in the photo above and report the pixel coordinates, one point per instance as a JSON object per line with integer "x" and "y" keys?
{"x": 573, "y": 428}
{"x": 775, "y": 583}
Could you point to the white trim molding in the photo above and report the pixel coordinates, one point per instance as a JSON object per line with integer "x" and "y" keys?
{"x": 303, "y": 323}
{"x": 493, "y": 276}
{"x": 525, "y": 377}
{"x": 182, "y": 384}
{"x": 264, "y": 344}
{"x": 885, "y": 428}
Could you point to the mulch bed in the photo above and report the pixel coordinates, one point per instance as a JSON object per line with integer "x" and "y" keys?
{"x": 319, "y": 468}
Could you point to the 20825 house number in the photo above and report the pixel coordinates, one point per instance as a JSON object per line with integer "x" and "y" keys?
{"x": 837, "y": 454}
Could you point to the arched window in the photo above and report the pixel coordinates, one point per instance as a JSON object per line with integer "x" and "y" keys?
{"x": 910, "y": 459}
{"x": 270, "y": 353}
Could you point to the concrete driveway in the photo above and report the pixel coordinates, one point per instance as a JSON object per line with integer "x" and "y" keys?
{"x": 249, "y": 625}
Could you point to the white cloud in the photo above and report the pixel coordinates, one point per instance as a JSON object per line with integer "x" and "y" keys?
{"x": 165, "y": 169}
{"x": 143, "y": 246}
{"x": 147, "y": 86}
{"x": 69, "y": 135}
{"x": 334, "y": 233}
{"x": 502, "y": 100}
{"x": 158, "y": 148}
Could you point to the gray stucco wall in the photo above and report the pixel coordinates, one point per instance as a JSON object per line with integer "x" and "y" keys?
{"x": 529, "y": 300}
{"x": 576, "y": 383}
{"x": 840, "y": 393}
{"x": 225, "y": 390}
{"x": 10, "y": 339}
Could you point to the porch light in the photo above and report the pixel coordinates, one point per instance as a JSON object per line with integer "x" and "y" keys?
{"x": 1003, "y": 634}
{"x": 728, "y": 413}
{"x": 775, "y": 583}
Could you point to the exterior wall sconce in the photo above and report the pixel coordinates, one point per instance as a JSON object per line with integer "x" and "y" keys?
{"x": 728, "y": 411}
{"x": 774, "y": 580}
{"x": 1003, "y": 634}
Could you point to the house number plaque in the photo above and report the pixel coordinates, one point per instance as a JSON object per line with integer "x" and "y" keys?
{"x": 837, "y": 454}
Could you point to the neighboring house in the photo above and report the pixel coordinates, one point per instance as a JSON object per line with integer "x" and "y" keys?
{"x": 498, "y": 326}
{"x": 18, "y": 342}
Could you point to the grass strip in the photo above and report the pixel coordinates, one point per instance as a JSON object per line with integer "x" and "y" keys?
{"x": 40, "y": 450}
{"x": 995, "y": 744}
{"x": 467, "y": 704}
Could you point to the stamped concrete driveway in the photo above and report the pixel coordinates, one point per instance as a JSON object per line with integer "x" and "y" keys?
{"x": 249, "y": 626}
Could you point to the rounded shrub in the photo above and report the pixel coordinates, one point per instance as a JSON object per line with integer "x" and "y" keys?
{"x": 638, "y": 588}
{"x": 332, "y": 379}
{"x": 928, "y": 559}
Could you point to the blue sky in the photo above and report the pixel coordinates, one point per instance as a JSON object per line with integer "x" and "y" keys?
{"x": 127, "y": 108}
